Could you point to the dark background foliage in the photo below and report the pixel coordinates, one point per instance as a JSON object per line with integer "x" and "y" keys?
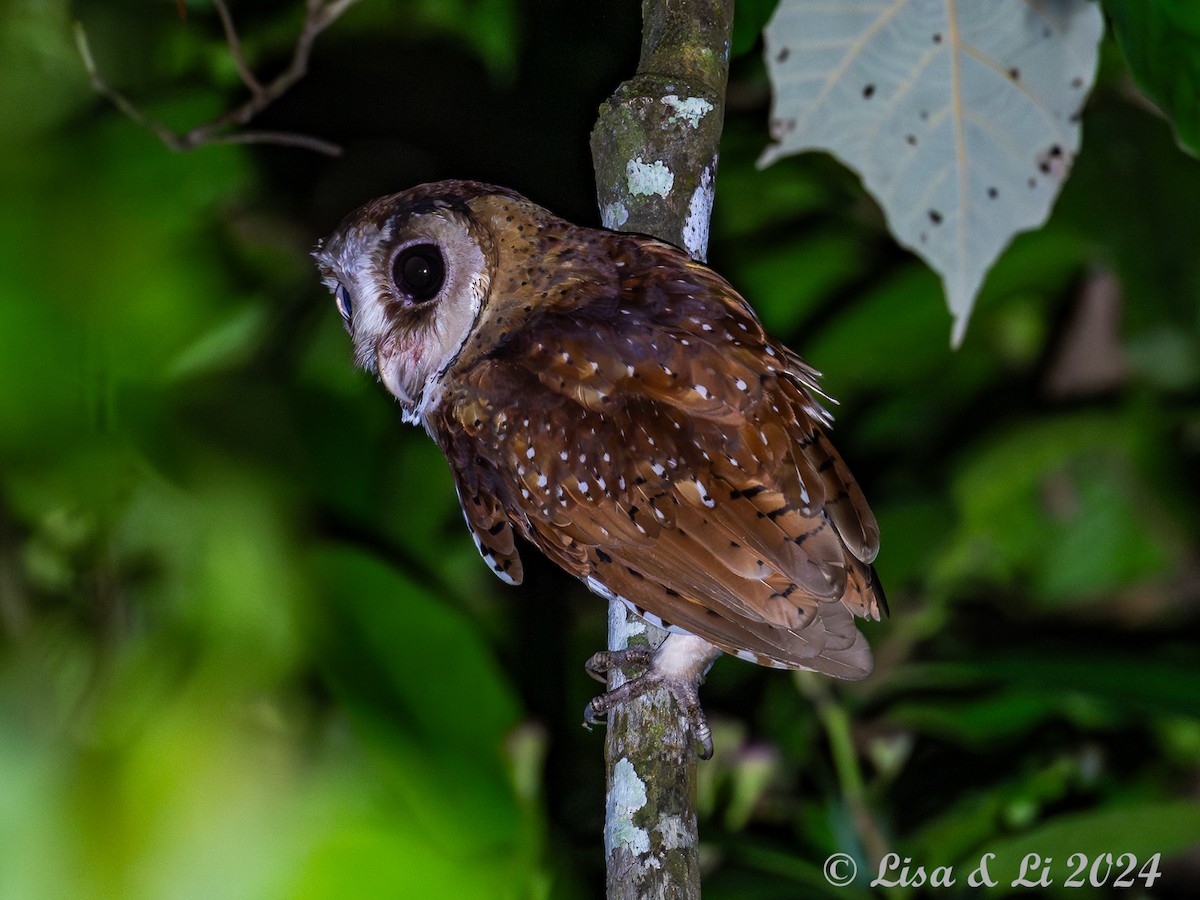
{"x": 246, "y": 646}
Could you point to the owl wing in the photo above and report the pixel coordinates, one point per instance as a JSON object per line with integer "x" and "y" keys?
{"x": 665, "y": 450}
{"x": 486, "y": 518}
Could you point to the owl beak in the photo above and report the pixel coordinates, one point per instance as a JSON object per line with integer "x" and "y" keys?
{"x": 390, "y": 376}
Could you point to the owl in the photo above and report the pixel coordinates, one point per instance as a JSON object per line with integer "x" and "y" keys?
{"x": 619, "y": 407}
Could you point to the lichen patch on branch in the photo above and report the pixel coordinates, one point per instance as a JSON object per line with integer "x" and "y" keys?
{"x": 696, "y": 225}
{"x": 626, "y": 796}
{"x": 675, "y": 832}
{"x": 645, "y": 178}
{"x": 690, "y": 110}
{"x": 614, "y": 215}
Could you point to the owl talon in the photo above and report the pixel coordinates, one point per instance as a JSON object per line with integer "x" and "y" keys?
{"x": 600, "y": 664}
{"x": 682, "y": 685}
{"x": 684, "y": 692}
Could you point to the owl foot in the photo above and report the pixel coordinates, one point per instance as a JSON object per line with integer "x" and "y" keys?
{"x": 600, "y": 664}
{"x": 678, "y": 666}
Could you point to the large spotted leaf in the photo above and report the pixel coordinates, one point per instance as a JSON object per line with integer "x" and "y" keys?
{"x": 961, "y": 116}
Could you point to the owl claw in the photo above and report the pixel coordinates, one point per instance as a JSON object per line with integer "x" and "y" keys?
{"x": 682, "y": 688}
{"x": 605, "y": 661}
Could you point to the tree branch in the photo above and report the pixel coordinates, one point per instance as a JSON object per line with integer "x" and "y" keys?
{"x": 655, "y": 153}
{"x": 319, "y": 15}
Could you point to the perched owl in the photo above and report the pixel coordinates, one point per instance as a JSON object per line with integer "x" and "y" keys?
{"x": 620, "y": 407}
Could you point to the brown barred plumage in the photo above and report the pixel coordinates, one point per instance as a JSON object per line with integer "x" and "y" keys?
{"x": 620, "y": 407}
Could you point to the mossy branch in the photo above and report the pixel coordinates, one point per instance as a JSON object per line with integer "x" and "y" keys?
{"x": 655, "y": 149}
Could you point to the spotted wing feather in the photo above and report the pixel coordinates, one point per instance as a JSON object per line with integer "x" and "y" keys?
{"x": 488, "y": 522}
{"x": 672, "y": 455}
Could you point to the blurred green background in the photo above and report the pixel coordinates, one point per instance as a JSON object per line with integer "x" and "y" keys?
{"x": 247, "y": 649}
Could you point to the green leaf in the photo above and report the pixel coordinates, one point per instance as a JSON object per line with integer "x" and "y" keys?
{"x": 974, "y": 817}
{"x": 410, "y": 654}
{"x": 396, "y": 858}
{"x": 1062, "y": 507}
{"x": 977, "y": 722}
{"x": 224, "y": 346}
{"x": 1163, "y": 686}
{"x": 748, "y": 24}
{"x": 1144, "y": 829}
{"x": 790, "y": 281}
{"x": 853, "y": 352}
{"x": 41, "y": 79}
{"x": 1161, "y": 42}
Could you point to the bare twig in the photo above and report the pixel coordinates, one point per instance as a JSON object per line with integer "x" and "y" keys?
{"x": 319, "y": 15}
{"x": 235, "y": 49}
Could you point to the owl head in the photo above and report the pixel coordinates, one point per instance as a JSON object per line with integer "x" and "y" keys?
{"x": 411, "y": 273}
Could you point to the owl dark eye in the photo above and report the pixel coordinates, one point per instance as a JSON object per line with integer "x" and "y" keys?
{"x": 419, "y": 272}
{"x": 343, "y": 302}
